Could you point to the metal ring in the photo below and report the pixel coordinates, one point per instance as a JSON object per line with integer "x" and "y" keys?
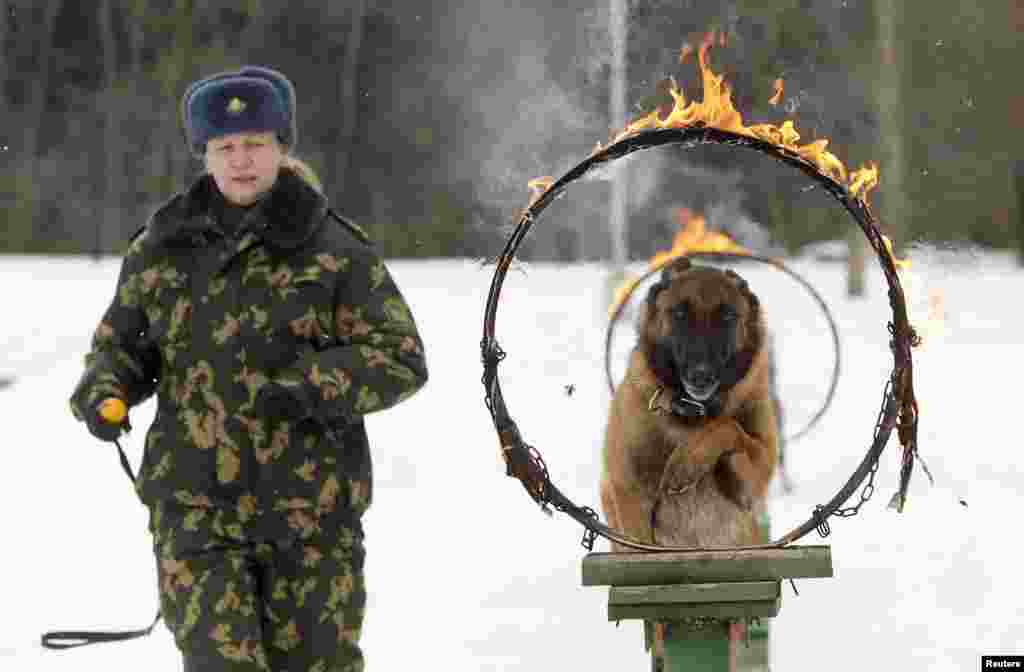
{"x": 899, "y": 401}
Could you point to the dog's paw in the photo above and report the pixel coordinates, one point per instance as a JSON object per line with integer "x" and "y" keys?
{"x": 681, "y": 473}
{"x": 732, "y": 485}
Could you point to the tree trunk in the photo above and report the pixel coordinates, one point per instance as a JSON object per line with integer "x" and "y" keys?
{"x": 177, "y": 169}
{"x": 5, "y": 109}
{"x": 137, "y": 36}
{"x": 1015, "y": 112}
{"x": 108, "y": 229}
{"x": 898, "y": 208}
{"x": 857, "y": 253}
{"x": 349, "y": 98}
{"x": 35, "y": 101}
{"x": 5, "y": 17}
{"x": 1018, "y": 189}
{"x": 618, "y": 212}
{"x": 36, "y": 98}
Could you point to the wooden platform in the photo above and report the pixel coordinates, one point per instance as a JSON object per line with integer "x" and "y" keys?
{"x": 724, "y": 585}
{"x": 720, "y": 600}
{"x": 645, "y": 569}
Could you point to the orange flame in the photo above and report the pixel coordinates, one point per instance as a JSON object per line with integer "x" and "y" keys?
{"x": 693, "y": 236}
{"x": 777, "y": 96}
{"x": 926, "y": 309}
{"x": 900, "y": 264}
{"x": 716, "y": 110}
{"x": 935, "y": 321}
{"x": 538, "y": 186}
{"x": 864, "y": 179}
{"x": 623, "y": 291}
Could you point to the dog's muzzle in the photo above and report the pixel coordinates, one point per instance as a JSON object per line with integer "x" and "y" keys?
{"x": 701, "y": 382}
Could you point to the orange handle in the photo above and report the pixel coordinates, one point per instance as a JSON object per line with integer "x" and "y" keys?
{"x": 113, "y": 411}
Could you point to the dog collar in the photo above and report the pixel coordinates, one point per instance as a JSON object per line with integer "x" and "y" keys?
{"x": 683, "y": 406}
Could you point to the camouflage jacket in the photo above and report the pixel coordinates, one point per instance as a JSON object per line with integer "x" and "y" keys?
{"x": 299, "y": 297}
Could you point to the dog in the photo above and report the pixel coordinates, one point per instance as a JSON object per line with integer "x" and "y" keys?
{"x": 691, "y": 442}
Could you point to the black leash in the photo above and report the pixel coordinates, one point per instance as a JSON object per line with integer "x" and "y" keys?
{"x": 70, "y": 639}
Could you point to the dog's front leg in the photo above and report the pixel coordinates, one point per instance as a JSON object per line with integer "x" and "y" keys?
{"x": 611, "y": 514}
{"x": 696, "y": 453}
{"x": 745, "y": 474}
{"x": 632, "y": 511}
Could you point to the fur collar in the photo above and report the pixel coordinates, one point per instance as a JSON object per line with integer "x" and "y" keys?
{"x": 285, "y": 218}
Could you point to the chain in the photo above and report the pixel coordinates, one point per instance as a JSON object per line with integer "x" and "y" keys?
{"x": 823, "y": 528}
{"x": 491, "y": 357}
{"x": 589, "y": 533}
{"x": 869, "y": 488}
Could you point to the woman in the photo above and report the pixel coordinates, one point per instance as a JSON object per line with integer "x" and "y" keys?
{"x": 267, "y": 327}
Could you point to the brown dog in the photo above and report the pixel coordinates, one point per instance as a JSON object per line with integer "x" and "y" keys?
{"x": 691, "y": 442}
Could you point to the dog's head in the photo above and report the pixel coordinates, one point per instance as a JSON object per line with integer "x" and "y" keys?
{"x": 700, "y": 329}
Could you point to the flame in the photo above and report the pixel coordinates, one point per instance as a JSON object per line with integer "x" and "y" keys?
{"x": 900, "y": 264}
{"x": 777, "y": 96}
{"x": 623, "y": 291}
{"x": 935, "y": 322}
{"x": 926, "y": 306}
{"x": 716, "y": 110}
{"x": 693, "y": 236}
{"x": 538, "y": 186}
{"x": 926, "y": 309}
{"x": 864, "y": 179}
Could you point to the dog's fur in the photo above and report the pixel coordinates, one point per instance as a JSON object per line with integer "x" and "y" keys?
{"x": 692, "y": 481}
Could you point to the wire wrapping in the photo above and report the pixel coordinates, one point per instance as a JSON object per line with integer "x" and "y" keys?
{"x": 899, "y": 407}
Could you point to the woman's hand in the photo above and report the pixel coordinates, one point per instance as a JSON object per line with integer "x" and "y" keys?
{"x": 108, "y": 419}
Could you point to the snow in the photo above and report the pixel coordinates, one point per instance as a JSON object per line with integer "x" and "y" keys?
{"x": 463, "y": 568}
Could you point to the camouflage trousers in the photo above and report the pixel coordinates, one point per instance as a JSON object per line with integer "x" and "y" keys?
{"x": 271, "y": 596}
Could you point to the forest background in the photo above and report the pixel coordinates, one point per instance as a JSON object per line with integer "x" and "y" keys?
{"x": 426, "y": 119}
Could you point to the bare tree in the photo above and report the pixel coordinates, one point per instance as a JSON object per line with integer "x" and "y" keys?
{"x": 32, "y": 43}
{"x": 5, "y": 18}
{"x": 349, "y": 94}
{"x": 136, "y": 34}
{"x": 109, "y": 226}
{"x": 891, "y": 111}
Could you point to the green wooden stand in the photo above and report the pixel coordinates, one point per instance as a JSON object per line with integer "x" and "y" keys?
{"x": 753, "y": 654}
{"x": 697, "y": 594}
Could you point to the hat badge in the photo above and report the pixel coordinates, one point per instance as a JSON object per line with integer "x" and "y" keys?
{"x": 236, "y": 106}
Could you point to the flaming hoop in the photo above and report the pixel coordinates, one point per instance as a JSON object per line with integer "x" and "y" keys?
{"x": 715, "y": 121}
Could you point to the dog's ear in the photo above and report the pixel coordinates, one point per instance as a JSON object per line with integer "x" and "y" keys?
{"x": 740, "y": 282}
{"x": 670, "y": 272}
{"x": 742, "y": 285}
{"x": 675, "y": 268}
{"x": 652, "y": 295}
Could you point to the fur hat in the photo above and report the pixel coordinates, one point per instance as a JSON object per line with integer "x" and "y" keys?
{"x": 250, "y": 99}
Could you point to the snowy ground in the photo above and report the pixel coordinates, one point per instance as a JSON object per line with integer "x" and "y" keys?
{"x": 463, "y": 570}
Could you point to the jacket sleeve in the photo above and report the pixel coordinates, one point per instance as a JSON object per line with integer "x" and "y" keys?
{"x": 121, "y": 362}
{"x": 375, "y": 359}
